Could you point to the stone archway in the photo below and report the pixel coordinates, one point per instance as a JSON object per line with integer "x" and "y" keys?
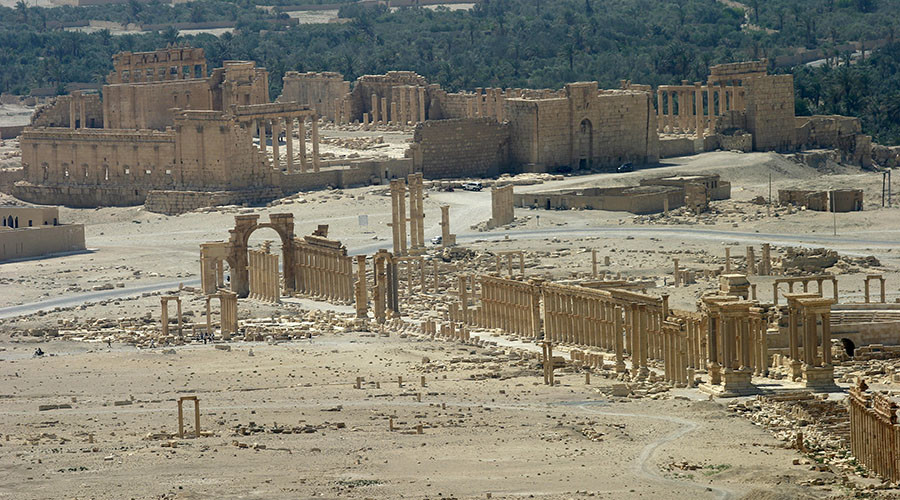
{"x": 585, "y": 144}
{"x": 237, "y": 246}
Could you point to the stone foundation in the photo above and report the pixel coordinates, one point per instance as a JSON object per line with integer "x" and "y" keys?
{"x": 179, "y": 202}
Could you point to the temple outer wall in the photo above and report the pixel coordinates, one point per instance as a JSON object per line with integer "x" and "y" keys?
{"x": 472, "y": 147}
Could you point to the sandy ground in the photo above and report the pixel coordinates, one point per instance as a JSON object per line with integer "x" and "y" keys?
{"x": 502, "y": 434}
{"x": 506, "y": 436}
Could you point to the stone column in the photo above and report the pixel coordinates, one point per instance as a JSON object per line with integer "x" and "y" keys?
{"x": 289, "y": 142}
{"x": 375, "y": 116}
{"x": 315, "y": 143}
{"x": 71, "y": 111}
{"x": 276, "y": 133}
{"x": 660, "y": 124}
{"x": 727, "y": 260}
{"x": 765, "y": 267}
{"x": 395, "y": 119}
{"x": 399, "y": 93}
{"x": 384, "y": 111}
{"x": 362, "y": 306}
{"x": 698, "y": 110}
{"x": 711, "y": 107}
{"x": 421, "y": 97}
{"x": 301, "y": 133}
{"x": 81, "y": 111}
{"x": 751, "y": 261}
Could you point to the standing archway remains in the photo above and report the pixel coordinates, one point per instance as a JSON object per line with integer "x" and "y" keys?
{"x": 237, "y": 250}
{"x": 585, "y": 144}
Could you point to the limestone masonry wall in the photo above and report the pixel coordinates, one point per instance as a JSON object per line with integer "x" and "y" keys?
{"x": 150, "y": 105}
{"x": 56, "y": 113}
{"x": 37, "y": 241}
{"x": 770, "y": 112}
{"x": 318, "y": 90}
{"x": 472, "y": 147}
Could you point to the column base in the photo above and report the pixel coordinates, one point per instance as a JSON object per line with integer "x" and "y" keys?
{"x": 734, "y": 383}
{"x": 796, "y": 370}
{"x": 819, "y": 378}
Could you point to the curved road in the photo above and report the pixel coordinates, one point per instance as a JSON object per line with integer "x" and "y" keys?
{"x": 76, "y": 299}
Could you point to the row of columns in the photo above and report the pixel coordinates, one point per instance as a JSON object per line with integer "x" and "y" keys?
{"x": 510, "y": 305}
{"x": 385, "y": 294}
{"x": 324, "y": 273}
{"x": 488, "y": 103}
{"x": 289, "y": 125}
{"x": 227, "y": 313}
{"x": 264, "y": 276}
{"x": 692, "y": 115}
{"x": 77, "y": 108}
{"x": 874, "y": 433}
{"x": 416, "y": 219}
{"x": 406, "y": 106}
{"x": 810, "y": 352}
{"x": 805, "y": 281}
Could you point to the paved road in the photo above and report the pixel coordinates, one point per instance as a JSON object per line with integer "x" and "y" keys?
{"x": 76, "y": 299}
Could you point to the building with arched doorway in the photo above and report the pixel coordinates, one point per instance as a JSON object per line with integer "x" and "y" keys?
{"x": 36, "y": 231}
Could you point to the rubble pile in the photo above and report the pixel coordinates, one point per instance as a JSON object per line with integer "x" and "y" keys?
{"x": 812, "y": 424}
{"x": 799, "y": 261}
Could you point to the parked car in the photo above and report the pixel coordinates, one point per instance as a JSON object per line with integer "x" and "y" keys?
{"x": 472, "y": 186}
{"x": 625, "y": 167}
{"x": 437, "y": 240}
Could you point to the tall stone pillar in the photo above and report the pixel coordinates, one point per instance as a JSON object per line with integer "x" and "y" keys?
{"x": 315, "y": 143}
{"x": 301, "y": 133}
{"x": 395, "y": 119}
{"x": 276, "y": 153}
{"x": 399, "y": 93}
{"x": 375, "y": 116}
{"x": 700, "y": 127}
{"x": 765, "y": 265}
{"x": 711, "y": 107}
{"x": 421, "y": 97}
{"x": 751, "y": 262}
{"x": 660, "y": 124}
{"x": 384, "y": 111}
{"x": 337, "y": 111}
{"x": 289, "y": 142}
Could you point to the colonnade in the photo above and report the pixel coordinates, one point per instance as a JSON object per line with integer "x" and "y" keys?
{"x": 385, "y": 289}
{"x": 509, "y": 262}
{"x": 324, "y": 270}
{"x": 77, "y": 108}
{"x": 416, "y": 219}
{"x": 510, "y": 305}
{"x": 264, "y": 275}
{"x": 805, "y": 281}
{"x": 212, "y": 266}
{"x": 874, "y": 433}
{"x": 694, "y": 109}
{"x": 488, "y": 103}
{"x": 291, "y": 126}
{"x": 227, "y": 313}
{"x": 732, "y": 340}
{"x": 810, "y": 351}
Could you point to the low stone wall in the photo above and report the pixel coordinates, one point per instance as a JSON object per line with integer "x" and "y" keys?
{"x": 40, "y": 240}
{"x": 79, "y": 196}
{"x": 737, "y": 142}
{"x": 10, "y": 177}
{"x": 681, "y": 146}
{"x": 179, "y": 202}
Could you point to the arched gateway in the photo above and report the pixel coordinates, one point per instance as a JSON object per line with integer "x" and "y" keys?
{"x": 237, "y": 246}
